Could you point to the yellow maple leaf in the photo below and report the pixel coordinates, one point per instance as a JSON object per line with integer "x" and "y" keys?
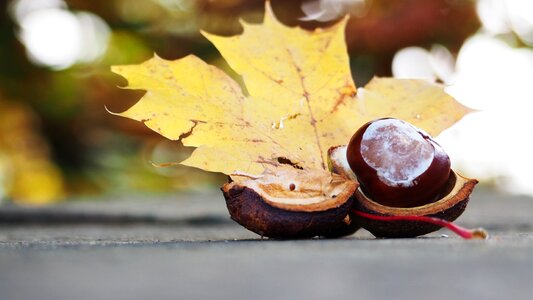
{"x": 302, "y": 99}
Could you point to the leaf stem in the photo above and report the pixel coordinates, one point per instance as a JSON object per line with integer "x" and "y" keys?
{"x": 465, "y": 233}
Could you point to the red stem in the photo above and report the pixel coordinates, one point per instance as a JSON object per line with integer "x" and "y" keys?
{"x": 461, "y": 231}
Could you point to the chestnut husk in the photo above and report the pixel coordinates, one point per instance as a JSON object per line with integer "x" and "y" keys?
{"x": 449, "y": 206}
{"x": 329, "y": 218}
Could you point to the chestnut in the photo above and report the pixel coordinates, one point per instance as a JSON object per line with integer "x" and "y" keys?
{"x": 397, "y": 164}
{"x": 402, "y": 222}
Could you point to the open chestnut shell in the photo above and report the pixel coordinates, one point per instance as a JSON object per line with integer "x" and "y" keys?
{"x": 293, "y": 204}
{"x": 449, "y": 206}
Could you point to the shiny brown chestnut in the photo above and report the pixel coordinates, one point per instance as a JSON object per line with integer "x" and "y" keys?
{"x": 397, "y": 164}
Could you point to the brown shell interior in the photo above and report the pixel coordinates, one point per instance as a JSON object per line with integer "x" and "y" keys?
{"x": 460, "y": 190}
{"x": 300, "y": 190}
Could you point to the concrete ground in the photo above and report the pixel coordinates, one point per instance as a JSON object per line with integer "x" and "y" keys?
{"x": 186, "y": 247}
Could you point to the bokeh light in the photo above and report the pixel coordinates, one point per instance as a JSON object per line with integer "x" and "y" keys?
{"x": 494, "y": 143}
{"x": 413, "y": 62}
{"x": 416, "y": 62}
{"x": 327, "y": 10}
{"x": 492, "y": 74}
{"x": 505, "y": 16}
{"x": 520, "y": 14}
{"x": 57, "y": 38}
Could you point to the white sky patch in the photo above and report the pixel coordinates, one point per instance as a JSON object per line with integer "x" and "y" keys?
{"x": 494, "y": 75}
{"x": 495, "y": 143}
{"x": 504, "y": 16}
{"x": 520, "y": 14}
{"x": 493, "y": 15}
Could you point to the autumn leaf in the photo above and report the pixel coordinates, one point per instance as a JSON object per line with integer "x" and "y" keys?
{"x": 301, "y": 99}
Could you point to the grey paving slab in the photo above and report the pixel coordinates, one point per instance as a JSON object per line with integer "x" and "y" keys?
{"x": 185, "y": 247}
{"x": 316, "y": 269}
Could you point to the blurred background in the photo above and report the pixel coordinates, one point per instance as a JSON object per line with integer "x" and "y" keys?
{"x": 57, "y": 141}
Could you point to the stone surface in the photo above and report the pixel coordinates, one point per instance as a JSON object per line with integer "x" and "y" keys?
{"x": 186, "y": 247}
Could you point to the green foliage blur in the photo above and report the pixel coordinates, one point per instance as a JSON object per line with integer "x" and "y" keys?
{"x": 57, "y": 138}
